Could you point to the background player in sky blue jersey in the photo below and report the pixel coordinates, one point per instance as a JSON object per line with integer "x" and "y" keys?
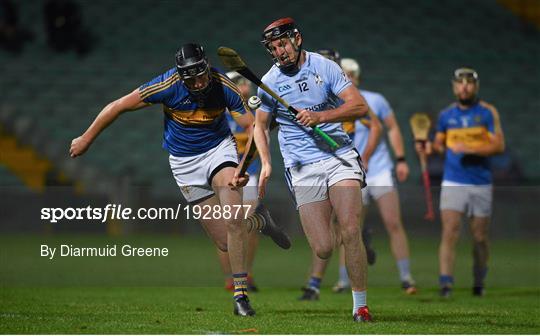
{"x": 321, "y": 181}
{"x": 203, "y": 155}
{"x": 468, "y": 133}
{"x": 381, "y": 186}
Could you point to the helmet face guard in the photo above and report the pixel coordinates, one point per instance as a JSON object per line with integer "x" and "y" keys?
{"x": 191, "y": 62}
{"x": 465, "y": 74}
{"x": 193, "y": 70}
{"x": 282, "y": 30}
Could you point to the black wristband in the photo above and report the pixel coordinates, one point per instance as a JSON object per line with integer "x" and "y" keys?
{"x": 400, "y": 159}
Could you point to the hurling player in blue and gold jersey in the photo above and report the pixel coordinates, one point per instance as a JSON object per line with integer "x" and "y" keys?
{"x": 202, "y": 151}
{"x": 468, "y": 133}
{"x": 250, "y": 189}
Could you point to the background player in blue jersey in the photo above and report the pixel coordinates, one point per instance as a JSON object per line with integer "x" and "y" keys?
{"x": 311, "y": 291}
{"x": 380, "y": 182}
{"x": 321, "y": 180}
{"x": 249, "y": 191}
{"x": 203, "y": 155}
{"x": 468, "y": 133}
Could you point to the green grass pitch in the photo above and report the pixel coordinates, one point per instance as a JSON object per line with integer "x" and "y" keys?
{"x": 182, "y": 293}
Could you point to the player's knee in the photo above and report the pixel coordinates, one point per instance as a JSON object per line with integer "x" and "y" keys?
{"x": 480, "y": 237}
{"x": 323, "y": 251}
{"x": 350, "y": 234}
{"x": 222, "y": 246}
{"x": 450, "y": 237}
{"x": 394, "y": 226}
{"x": 451, "y": 231}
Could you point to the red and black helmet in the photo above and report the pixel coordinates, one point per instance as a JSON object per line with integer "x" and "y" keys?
{"x": 282, "y": 28}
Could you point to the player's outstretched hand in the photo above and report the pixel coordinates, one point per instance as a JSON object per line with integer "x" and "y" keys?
{"x": 239, "y": 181}
{"x": 308, "y": 118}
{"x": 266, "y": 171}
{"x": 78, "y": 146}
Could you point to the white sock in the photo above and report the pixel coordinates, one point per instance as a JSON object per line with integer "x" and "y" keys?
{"x": 359, "y": 300}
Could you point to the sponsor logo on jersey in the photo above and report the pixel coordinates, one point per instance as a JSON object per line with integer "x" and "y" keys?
{"x": 284, "y": 88}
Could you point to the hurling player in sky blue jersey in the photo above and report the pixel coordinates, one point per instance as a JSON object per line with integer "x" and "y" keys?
{"x": 202, "y": 151}
{"x": 468, "y": 133}
{"x": 320, "y": 179}
{"x": 381, "y": 186}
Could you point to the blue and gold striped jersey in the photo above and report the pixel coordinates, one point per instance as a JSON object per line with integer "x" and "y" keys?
{"x": 193, "y": 124}
{"x": 473, "y": 127}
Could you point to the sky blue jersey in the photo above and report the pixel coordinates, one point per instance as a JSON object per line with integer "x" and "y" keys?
{"x": 380, "y": 159}
{"x": 314, "y": 87}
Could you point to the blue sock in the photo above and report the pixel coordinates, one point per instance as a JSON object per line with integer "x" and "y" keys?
{"x": 359, "y": 300}
{"x": 314, "y": 282}
{"x": 343, "y": 275}
{"x": 446, "y": 280}
{"x": 404, "y": 269}
{"x": 479, "y": 275}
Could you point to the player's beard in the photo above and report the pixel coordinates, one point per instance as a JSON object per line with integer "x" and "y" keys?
{"x": 468, "y": 101}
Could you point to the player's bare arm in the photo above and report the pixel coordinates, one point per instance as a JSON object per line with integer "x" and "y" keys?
{"x": 129, "y": 102}
{"x": 262, "y": 138}
{"x": 375, "y": 132}
{"x": 396, "y": 141}
{"x": 354, "y": 106}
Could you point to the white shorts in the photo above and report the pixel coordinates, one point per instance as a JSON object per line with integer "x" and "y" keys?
{"x": 309, "y": 183}
{"x": 378, "y": 185}
{"x": 474, "y": 200}
{"x": 194, "y": 174}
{"x": 250, "y": 192}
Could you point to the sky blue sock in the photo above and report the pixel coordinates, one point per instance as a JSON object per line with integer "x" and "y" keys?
{"x": 343, "y": 275}
{"x": 404, "y": 268}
